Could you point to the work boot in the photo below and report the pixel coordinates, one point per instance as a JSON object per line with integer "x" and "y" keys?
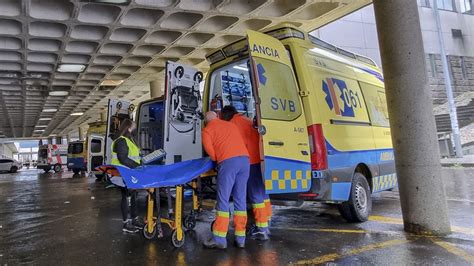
{"x": 252, "y": 229}
{"x": 128, "y": 227}
{"x": 212, "y": 243}
{"x": 239, "y": 244}
{"x": 260, "y": 234}
{"x": 138, "y": 223}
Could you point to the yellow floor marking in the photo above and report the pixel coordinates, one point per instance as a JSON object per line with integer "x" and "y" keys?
{"x": 392, "y": 220}
{"x": 457, "y": 229}
{"x": 454, "y": 250}
{"x": 350, "y": 231}
{"x": 384, "y": 219}
{"x": 336, "y": 256}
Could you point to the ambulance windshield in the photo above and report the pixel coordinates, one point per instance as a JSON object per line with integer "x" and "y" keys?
{"x": 231, "y": 85}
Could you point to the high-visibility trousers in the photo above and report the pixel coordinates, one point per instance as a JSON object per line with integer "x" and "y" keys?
{"x": 232, "y": 176}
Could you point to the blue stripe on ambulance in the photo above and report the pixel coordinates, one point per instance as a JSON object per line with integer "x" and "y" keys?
{"x": 349, "y": 159}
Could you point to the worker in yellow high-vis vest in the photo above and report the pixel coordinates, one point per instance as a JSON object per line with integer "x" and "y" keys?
{"x": 126, "y": 153}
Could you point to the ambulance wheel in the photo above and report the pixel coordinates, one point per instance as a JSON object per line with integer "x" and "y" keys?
{"x": 57, "y": 168}
{"x": 179, "y": 72}
{"x": 174, "y": 239}
{"x": 76, "y": 171}
{"x": 198, "y": 76}
{"x": 14, "y": 169}
{"x": 359, "y": 206}
{"x": 149, "y": 235}
{"x": 189, "y": 222}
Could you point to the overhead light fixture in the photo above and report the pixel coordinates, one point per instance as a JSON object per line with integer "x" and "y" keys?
{"x": 111, "y": 82}
{"x": 41, "y": 125}
{"x": 241, "y": 68}
{"x": 45, "y": 118}
{"x": 50, "y": 110}
{"x": 77, "y": 114}
{"x": 58, "y": 93}
{"x": 116, "y": 2}
{"x": 71, "y": 68}
{"x": 39, "y": 130}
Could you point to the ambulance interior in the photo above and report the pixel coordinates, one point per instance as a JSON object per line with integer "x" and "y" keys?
{"x": 231, "y": 85}
{"x": 151, "y": 126}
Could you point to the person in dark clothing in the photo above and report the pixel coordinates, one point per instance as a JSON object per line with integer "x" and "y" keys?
{"x": 126, "y": 153}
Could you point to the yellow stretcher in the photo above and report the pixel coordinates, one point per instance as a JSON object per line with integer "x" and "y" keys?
{"x": 175, "y": 222}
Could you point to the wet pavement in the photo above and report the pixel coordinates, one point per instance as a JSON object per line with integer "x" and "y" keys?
{"x": 65, "y": 219}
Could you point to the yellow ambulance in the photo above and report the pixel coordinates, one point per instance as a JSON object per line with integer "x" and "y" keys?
{"x": 321, "y": 113}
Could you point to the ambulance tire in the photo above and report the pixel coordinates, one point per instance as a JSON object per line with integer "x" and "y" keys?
{"x": 359, "y": 206}
{"x": 57, "y": 168}
{"x": 14, "y": 169}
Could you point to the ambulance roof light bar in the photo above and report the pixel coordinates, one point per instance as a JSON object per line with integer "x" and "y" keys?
{"x": 327, "y": 46}
{"x": 240, "y": 47}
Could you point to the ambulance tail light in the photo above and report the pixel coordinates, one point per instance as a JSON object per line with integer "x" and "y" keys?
{"x": 317, "y": 144}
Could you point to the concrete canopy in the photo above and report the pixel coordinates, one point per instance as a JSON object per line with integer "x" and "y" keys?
{"x": 118, "y": 40}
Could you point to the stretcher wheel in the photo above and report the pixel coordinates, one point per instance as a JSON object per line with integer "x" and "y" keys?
{"x": 147, "y": 234}
{"x": 174, "y": 239}
{"x": 179, "y": 72}
{"x": 198, "y": 76}
{"x": 212, "y": 224}
{"x": 189, "y": 222}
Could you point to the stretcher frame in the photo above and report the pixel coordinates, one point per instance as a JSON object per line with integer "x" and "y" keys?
{"x": 153, "y": 229}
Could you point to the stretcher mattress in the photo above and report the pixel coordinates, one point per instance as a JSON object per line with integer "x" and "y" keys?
{"x": 155, "y": 176}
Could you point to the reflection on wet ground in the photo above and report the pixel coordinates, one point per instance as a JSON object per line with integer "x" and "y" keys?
{"x": 66, "y": 219}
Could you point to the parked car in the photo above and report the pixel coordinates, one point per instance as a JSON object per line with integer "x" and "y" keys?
{"x": 10, "y": 165}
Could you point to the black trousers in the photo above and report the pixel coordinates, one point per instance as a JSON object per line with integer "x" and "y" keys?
{"x": 125, "y": 206}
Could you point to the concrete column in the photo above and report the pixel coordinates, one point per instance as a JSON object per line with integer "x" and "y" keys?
{"x": 81, "y": 133}
{"x": 59, "y": 140}
{"x": 156, "y": 89}
{"x": 50, "y": 140}
{"x": 103, "y": 115}
{"x": 410, "y": 108}
{"x": 68, "y": 138}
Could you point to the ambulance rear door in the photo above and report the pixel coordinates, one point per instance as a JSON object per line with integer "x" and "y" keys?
{"x": 118, "y": 110}
{"x": 95, "y": 151}
{"x": 280, "y": 118}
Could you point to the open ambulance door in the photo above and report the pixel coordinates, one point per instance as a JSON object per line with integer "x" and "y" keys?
{"x": 95, "y": 151}
{"x": 281, "y": 122}
{"x": 173, "y": 122}
{"x": 118, "y": 110}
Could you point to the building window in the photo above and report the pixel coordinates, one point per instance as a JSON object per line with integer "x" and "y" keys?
{"x": 446, "y": 5}
{"x": 463, "y": 67}
{"x": 466, "y": 6}
{"x": 425, "y": 3}
{"x": 433, "y": 65}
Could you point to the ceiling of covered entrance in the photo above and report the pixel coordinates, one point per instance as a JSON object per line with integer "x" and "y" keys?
{"x": 60, "y": 57}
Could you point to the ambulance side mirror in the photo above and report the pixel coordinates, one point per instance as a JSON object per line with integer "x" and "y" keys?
{"x": 262, "y": 130}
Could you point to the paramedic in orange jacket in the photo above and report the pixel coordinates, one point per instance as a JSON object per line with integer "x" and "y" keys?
{"x": 223, "y": 143}
{"x": 255, "y": 188}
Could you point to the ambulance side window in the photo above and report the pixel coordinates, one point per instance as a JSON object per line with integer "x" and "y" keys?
{"x": 277, "y": 91}
{"x": 376, "y": 104}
